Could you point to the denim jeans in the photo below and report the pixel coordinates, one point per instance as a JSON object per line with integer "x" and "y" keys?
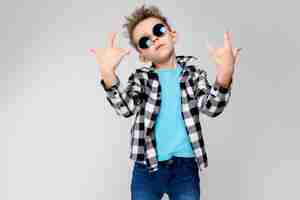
{"x": 178, "y": 178}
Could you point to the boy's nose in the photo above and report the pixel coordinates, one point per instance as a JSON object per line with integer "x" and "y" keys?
{"x": 154, "y": 39}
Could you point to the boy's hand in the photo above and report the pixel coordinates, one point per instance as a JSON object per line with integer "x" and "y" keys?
{"x": 110, "y": 57}
{"x": 225, "y": 58}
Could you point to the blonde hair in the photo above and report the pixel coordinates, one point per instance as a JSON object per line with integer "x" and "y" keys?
{"x": 138, "y": 15}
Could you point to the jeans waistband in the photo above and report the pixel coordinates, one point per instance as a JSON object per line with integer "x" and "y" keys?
{"x": 173, "y": 159}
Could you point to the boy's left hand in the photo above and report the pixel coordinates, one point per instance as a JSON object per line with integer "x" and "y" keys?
{"x": 225, "y": 58}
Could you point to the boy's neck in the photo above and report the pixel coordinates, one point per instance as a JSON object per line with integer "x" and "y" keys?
{"x": 170, "y": 63}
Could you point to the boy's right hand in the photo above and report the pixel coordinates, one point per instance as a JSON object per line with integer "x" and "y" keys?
{"x": 110, "y": 57}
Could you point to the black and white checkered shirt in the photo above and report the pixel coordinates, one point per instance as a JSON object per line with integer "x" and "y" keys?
{"x": 142, "y": 97}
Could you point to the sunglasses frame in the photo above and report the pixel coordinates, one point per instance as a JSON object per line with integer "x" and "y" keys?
{"x": 148, "y": 38}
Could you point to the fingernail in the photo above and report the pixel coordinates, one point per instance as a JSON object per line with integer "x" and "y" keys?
{"x": 92, "y": 51}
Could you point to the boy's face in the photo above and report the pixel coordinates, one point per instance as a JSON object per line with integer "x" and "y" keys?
{"x": 155, "y": 53}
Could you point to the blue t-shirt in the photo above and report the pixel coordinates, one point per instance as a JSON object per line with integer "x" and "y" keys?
{"x": 170, "y": 132}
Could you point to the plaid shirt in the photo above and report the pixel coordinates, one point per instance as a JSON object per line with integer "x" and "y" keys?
{"x": 142, "y": 97}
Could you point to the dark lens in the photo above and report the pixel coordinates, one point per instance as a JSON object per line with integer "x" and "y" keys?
{"x": 159, "y": 30}
{"x": 144, "y": 43}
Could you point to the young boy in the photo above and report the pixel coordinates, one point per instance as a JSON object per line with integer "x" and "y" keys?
{"x": 167, "y": 99}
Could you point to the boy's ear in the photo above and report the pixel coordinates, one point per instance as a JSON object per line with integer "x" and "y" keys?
{"x": 174, "y": 36}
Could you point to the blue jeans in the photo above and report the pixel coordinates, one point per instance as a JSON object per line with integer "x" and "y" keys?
{"x": 177, "y": 177}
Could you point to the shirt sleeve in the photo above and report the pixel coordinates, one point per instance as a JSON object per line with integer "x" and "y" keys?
{"x": 211, "y": 99}
{"x": 125, "y": 101}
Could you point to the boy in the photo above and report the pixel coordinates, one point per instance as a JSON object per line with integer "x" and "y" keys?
{"x": 166, "y": 99}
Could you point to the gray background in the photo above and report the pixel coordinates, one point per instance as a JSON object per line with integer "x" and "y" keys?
{"x": 60, "y": 139}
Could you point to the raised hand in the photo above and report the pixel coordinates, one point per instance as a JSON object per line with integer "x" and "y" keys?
{"x": 225, "y": 58}
{"x": 109, "y": 57}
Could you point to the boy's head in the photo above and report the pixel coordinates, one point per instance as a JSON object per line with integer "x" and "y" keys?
{"x": 150, "y": 34}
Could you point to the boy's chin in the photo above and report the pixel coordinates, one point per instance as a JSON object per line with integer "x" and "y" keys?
{"x": 165, "y": 55}
{"x": 162, "y": 56}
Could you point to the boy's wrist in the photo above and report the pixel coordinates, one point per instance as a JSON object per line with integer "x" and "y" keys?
{"x": 108, "y": 81}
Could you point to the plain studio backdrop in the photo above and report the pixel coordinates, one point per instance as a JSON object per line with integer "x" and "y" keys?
{"x": 60, "y": 138}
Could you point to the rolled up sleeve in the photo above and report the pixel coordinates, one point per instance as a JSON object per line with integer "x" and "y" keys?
{"x": 212, "y": 99}
{"x": 125, "y": 101}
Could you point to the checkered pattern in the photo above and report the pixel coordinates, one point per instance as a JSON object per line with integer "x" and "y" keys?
{"x": 141, "y": 97}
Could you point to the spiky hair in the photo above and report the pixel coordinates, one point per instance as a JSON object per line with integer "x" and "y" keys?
{"x": 139, "y": 14}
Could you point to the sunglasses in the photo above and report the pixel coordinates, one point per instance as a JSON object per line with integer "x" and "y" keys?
{"x": 158, "y": 30}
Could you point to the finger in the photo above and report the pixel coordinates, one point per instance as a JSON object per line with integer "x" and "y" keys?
{"x": 111, "y": 39}
{"x": 236, "y": 51}
{"x": 92, "y": 51}
{"x": 227, "y": 40}
{"x": 237, "y": 59}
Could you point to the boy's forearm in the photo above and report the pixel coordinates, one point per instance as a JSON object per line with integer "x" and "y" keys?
{"x": 215, "y": 97}
{"x": 123, "y": 100}
{"x": 224, "y": 80}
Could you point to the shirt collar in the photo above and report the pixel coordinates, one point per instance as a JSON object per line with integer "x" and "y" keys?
{"x": 181, "y": 60}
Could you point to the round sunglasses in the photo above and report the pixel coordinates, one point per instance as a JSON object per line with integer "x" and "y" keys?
{"x": 145, "y": 41}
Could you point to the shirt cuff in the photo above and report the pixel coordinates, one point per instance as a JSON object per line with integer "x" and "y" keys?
{"x": 114, "y": 86}
{"x": 222, "y": 89}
